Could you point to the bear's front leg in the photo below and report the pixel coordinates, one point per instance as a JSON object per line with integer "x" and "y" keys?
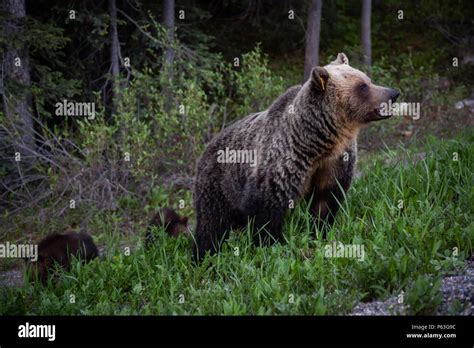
{"x": 324, "y": 206}
{"x": 329, "y": 185}
{"x": 268, "y": 225}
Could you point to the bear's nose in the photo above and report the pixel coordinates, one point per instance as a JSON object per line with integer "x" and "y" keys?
{"x": 394, "y": 93}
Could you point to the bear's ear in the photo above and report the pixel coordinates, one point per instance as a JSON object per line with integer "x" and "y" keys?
{"x": 341, "y": 59}
{"x": 319, "y": 77}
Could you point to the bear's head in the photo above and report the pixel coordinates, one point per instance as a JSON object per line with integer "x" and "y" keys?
{"x": 356, "y": 98}
{"x": 177, "y": 227}
{"x": 173, "y": 223}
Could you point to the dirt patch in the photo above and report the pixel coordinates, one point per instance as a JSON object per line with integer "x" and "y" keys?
{"x": 457, "y": 291}
{"x": 12, "y": 278}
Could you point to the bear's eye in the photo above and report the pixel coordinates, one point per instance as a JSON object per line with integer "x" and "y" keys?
{"x": 364, "y": 88}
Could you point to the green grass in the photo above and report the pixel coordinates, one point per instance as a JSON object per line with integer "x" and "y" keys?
{"x": 406, "y": 249}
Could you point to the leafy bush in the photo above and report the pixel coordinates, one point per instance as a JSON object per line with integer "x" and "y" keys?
{"x": 157, "y": 134}
{"x": 255, "y": 85}
{"x": 404, "y": 248}
{"x": 402, "y": 71}
{"x": 424, "y": 295}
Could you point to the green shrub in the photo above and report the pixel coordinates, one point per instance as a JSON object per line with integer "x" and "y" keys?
{"x": 255, "y": 84}
{"x": 424, "y": 296}
{"x": 164, "y": 141}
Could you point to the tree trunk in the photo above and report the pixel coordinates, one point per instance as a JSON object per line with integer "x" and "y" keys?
{"x": 365, "y": 31}
{"x": 17, "y": 99}
{"x": 312, "y": 37}
{"x": 168, "y": 21}
{"x": 169, "y": 25}
{"x": 114, "y": 53}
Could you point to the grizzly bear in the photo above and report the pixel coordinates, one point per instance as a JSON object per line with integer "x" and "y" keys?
{"x": 173, "y": 223}
{"x": 56, "y": 250}
{"x": 304, "y": 147}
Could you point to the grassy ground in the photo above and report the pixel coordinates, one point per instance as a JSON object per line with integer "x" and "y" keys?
{"x": 412, "y": 214}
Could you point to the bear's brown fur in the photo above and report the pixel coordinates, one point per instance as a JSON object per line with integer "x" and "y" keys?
{"x": 173, "y": 224}
{"x": 58, "y": 250}
{"x": 304, "y": 147}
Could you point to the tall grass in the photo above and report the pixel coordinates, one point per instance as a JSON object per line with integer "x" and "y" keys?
{"x": 413, "y": 216}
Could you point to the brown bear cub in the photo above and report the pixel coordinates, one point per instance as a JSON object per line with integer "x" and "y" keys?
{"x": 303, "y": 147}
{"x": 57, "y": 250}
{"x": 173, "y": 224}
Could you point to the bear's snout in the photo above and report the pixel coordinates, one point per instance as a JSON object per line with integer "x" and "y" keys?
{"x": 394, "y": 93}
